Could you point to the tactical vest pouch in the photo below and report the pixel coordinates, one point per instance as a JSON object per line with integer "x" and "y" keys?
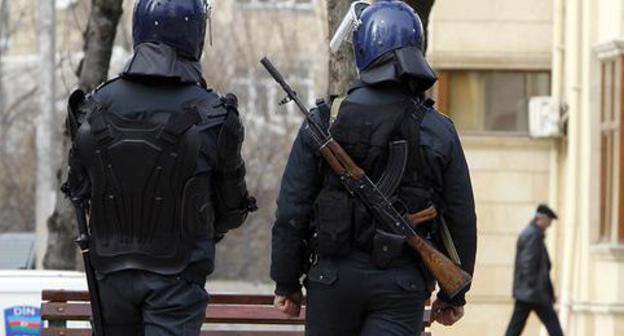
{"x": 333, "y": 218}
{"x": 386, "y": 248}
{"x": 363, "y": 227}
{"x": 414, "y": 198}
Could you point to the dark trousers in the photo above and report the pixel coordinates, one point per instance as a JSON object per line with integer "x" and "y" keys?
{"x": 546, "y": 314}
{"x": 138, "y": 303}
{"x": 350, "y": 297}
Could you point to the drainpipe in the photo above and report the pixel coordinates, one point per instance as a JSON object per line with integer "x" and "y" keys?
{"x": 571, "y": 88}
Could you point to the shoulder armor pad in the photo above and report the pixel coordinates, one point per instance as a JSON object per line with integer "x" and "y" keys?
{"x": 76, "y": 99}
{"x": 80, "y": 106}
{"x": 105, "y": 83}
{"x": 211, "y": 109}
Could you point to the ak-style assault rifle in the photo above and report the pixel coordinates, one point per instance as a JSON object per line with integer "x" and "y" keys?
{"x": 451, "y": 278}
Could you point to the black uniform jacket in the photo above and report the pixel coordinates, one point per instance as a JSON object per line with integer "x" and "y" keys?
{"x": 302, "y": 181}
{"x": 532, "y": 282}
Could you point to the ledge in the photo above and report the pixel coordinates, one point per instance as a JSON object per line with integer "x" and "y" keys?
{"x": 609, "y": 308}
{"x": 500, "y": 140}
{"x": 608, "y": 251}
{"x": 493, "y": 60}
{"x": 609, "y": 49}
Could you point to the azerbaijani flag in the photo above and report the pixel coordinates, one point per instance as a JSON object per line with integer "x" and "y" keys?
{"x": 25, "y": 325}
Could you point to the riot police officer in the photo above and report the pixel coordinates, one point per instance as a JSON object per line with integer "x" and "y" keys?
{"x": 156, "y": 154}
{"x": 354, "y": 284}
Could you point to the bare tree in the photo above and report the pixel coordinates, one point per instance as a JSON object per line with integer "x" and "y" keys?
{"x": 232, "y": 64}
{"x": 99, "y": 39}
{"x": 46, "y": 126}
{"x": 93, "y": 70}
{"x": 341, "y": 68}
{"x": 4, "y": 19}
{"x": 16, "y": 145}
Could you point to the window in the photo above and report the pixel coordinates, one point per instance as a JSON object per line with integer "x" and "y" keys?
{"x": 278, "y": 4}
{"x": 611, "y": 147}
{"x": 490, "y": 101}
{"x": 260, "y": 96}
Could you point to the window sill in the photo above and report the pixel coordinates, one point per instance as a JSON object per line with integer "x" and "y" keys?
{"x": 608, "y": 251}
{"x": 504, "y": 140}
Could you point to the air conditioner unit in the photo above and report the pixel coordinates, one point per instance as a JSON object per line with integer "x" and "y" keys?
{"x": 544, "y": 117}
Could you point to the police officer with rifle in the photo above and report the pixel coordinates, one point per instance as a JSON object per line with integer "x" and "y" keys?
{"x": 375, "y": 188}
{"x": 155, "y": 165}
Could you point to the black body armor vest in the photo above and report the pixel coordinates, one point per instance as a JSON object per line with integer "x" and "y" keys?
{"x": 148, "y": 205}
{"x": 341, "y": 220}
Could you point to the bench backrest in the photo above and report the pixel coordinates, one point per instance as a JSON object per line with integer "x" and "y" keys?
{"x": 60, "y": 306}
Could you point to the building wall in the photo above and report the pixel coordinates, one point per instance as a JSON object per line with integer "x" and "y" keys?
{"x": 511, "y": 174}
{"x": 491, "y": 34}
{"x": 593, "y": 270}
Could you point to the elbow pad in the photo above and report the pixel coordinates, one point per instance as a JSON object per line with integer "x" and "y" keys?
{"x": 233, "y": 201}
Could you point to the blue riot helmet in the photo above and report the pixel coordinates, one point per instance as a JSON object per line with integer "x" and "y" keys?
{"x": 388, "y": 43}
{"x": 180, "y": 24}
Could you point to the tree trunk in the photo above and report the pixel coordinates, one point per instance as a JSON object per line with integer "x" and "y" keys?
{"x": 45, "y": 126}
{"x": 341, "y": 65}
{"x": 99, "y": 38}
{"x": 4, "y": 18}
{"x": 93, "y": 70}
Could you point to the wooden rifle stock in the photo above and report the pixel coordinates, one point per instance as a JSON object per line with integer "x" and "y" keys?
{"x": 451, "y": 278}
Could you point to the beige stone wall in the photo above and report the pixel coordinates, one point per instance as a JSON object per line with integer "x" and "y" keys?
{"x": 592, "y": 273}
{"x": 491, "y": 34}
{"x": 510, "y": 176}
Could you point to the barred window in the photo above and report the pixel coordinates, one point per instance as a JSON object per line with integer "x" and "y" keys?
{"x": 611, "y": 150}
{"x": 486, "y": 101}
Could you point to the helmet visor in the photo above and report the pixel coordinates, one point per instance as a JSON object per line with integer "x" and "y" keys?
{"x": 349, "y": 24}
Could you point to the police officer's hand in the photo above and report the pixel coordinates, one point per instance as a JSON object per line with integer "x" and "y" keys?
{"x": 289, "y": 305}
{"x": 446, "y": 314}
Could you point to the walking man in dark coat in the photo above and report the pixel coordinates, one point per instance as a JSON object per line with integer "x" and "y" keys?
{"x": 532, "y": 288}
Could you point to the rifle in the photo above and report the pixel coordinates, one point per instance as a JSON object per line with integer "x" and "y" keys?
{"x": 83, "y": 241}
{"x": 451, "y": 278}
